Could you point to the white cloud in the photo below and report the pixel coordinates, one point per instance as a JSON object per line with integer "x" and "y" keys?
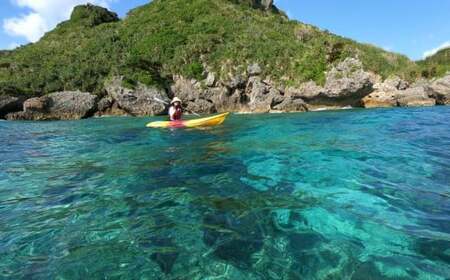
{"x": 12, "y": 46}
{"x": 43, "y": 16}
{"x": 31, "y": 26}
{"x": 435, "y": 50}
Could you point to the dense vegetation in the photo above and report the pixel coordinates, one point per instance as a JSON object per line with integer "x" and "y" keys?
{"x": 168, "y": 37}
{"x": 436, "y": 65}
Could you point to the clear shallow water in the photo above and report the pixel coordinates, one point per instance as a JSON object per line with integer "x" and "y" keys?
{"x": 330, "y": 195}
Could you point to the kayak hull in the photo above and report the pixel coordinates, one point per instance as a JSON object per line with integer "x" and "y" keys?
{"x": 202, "y": 122}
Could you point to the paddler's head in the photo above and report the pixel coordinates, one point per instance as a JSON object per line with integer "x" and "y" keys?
{"x": 176, "y": 102}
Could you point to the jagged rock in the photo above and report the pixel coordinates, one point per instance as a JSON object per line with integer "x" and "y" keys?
{"x": 105, "y": 103}
{"x": 267, "y": 4}
{"x": 66, "y": 105}
{"x": 347, "y": 83}
{"x": 141, "y": 101}
{"x": 210, "y": 79}
{"x": 185, "y": 89}
{"x": 440, "y": 90}
{"x": 212, "y": 99}
{"x": 37, "y": 104}
{"x": 396, "y": 92}
{"x": 260, "y": 100}
{"x": 9, "y": 104}
{"x": 420, "y": 83}
{"x": 108, "y": 107}
{"x": 237, "y": 81}
{"x": 291, "y": 104}
{"x": 226, "y": 100}
{"x": 200, "y": 106}
{"x": 92, "y": 15}
{"x": 380, "y": 99}
{"x": 414, "y": 97}
{"x": 386, "y": 93}
{"x": 22, "y": 115}
{"x": 259, "y": 4}
{"x": 254, "y": 69}
{"x": 394, "y": 83}
{"x": 307, "y": 91}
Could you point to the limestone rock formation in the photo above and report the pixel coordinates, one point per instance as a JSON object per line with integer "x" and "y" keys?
{"x": 92, "y": 15}
{"x": 414, "y": 97}
{"x": 385, "y": 93}
{"x": 440, "y": 90}
{"x": 9, "y": 104}
{"x": 347, "y": 83}
{"x": 259, "y": 4}
{"x": 66, "y": 105}
{"x": 141, "y": 101}
{"x": 380, "y": 99}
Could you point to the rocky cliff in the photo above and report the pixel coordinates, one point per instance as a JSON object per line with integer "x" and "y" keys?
{"x": 347, "y": 86}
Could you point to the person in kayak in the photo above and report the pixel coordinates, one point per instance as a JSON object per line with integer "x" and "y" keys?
{"x": 175, "y": 110}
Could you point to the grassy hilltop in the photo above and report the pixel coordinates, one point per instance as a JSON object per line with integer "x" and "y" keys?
{"x": 436, "y": 65}
{"x": 187, "y": 37}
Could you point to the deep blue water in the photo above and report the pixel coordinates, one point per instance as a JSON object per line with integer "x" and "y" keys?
{"x": 361, "y": 194}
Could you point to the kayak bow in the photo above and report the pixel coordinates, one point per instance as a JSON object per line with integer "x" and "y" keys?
{"x": 202, "y": 122}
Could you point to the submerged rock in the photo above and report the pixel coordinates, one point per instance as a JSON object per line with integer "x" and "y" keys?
{"x": 367, "y": 271}
{"x": 304, "y": 241}
{"x": 167, "y": 257}
{"x": 434, "y": 249}
{"x": 66, "y": 105}
{"x": 234, "y": 239}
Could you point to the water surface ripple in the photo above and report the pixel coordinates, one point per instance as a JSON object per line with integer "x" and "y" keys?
{"x": 329, "y": 195}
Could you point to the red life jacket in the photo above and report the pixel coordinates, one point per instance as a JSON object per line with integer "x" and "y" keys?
{"x": 176, "y": 116}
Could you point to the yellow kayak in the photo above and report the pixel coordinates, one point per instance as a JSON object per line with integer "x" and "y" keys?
{"x": 203, "y": 122}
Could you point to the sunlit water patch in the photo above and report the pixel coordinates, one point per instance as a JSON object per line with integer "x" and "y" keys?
{"x": 327, "y": 195}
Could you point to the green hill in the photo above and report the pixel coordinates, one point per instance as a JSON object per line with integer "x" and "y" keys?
{"x": 168, "y": 37}
{"x": 436, "y": 65}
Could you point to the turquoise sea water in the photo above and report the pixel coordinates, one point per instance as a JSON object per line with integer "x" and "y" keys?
{"x": 359, "y": 194}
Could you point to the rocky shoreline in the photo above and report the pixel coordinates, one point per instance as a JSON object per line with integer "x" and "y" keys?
{"x": 347, "y": 85}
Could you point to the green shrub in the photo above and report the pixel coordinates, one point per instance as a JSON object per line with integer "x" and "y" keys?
{"x": 194, "y": 70}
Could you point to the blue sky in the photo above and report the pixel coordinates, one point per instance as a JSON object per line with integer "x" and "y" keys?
{"x": 411, "y": 27}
